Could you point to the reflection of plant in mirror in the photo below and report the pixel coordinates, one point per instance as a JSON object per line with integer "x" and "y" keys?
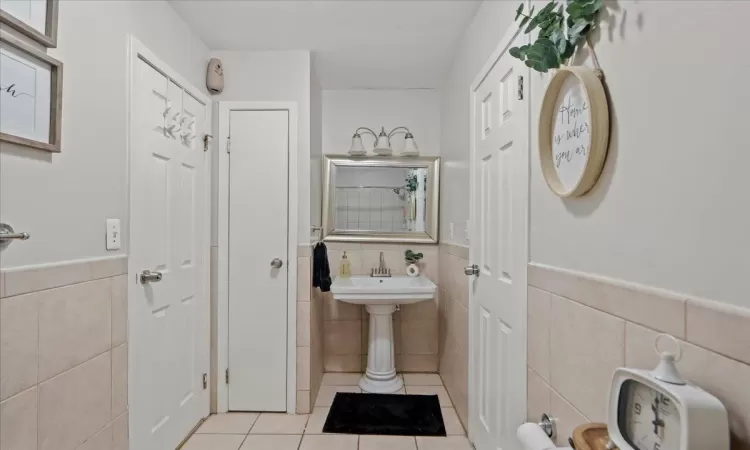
{"x": 558, "y": 35}
{"x": 411, "y": 181}
{"x": 413, "y": 257}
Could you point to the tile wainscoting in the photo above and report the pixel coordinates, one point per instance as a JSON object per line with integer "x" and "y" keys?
{"x": 63, "y": 356}
{"x": 309, "y": 333}
{"x": 454, "y": 326}
{"x": 346, "y": 326}
{"x": 582, "y": 327}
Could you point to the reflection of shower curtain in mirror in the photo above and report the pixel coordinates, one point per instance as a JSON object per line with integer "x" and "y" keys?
{"x": 371, "y": 209}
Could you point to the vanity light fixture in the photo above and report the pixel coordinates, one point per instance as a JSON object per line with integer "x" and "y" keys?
{"x": 383, "y": 142}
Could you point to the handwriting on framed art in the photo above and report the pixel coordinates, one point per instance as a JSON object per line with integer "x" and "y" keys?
{"x": 30, "y": 95}
{"x": 573, "y": 131}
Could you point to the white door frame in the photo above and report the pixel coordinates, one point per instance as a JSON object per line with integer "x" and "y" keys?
{"x": 501, "y": 48}
{"x": 137, "y": 50}
{"x": 222, "y": 356}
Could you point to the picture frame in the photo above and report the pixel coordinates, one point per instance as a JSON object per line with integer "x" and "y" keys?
{"x": 573, "y": 131}
{"x": 31, "y": 84}
{"x": 48, "y": 36}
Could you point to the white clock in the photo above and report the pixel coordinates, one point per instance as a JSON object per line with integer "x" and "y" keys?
{"x": 658, "y": 410}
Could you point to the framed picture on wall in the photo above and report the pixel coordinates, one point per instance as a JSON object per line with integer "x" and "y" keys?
{"x": 37, "y": 19}
{"x": 30, "y": 95}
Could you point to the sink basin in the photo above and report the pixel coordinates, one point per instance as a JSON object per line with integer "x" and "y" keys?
{"x": 365, "y": 290}
{"x": 381, "y": 297}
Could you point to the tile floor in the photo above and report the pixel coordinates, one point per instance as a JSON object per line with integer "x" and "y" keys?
{"x": 268, "y": 431}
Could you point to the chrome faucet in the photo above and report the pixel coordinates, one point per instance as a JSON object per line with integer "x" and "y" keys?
{"x": 381, "y": 271}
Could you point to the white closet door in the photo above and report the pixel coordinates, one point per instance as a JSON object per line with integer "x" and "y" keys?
{"x": 258, "y": 218}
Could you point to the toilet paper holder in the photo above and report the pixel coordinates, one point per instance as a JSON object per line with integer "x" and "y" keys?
{"x": 548, "y": 425}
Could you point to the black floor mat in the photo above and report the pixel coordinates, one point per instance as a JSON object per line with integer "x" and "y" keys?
{"x": 385, "y": 414}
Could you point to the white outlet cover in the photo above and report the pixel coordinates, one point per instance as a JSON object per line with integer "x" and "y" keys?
{"x": 113, "y": 234}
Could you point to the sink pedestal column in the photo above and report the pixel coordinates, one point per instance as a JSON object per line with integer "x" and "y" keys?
{"x": 380, "y": 376}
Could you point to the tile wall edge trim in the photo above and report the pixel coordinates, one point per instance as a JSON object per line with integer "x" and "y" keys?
{"x": 18, "y": 280}
{"x": 725, "y": 314}
{"x": 460, "y": 250}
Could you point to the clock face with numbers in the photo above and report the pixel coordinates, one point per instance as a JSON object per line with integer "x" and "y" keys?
{"x": 648, "y": 419}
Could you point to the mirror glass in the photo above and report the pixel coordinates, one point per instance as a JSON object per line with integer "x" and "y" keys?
{"x": 382, "y": 199}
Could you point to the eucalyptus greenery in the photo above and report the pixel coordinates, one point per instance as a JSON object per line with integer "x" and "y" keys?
{"x": 558, "y": 35}
{"x": 413, "y": 257}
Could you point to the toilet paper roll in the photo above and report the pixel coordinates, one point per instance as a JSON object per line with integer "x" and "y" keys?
{"x": 532, "y": 437}
{"x": 412, "y": 270}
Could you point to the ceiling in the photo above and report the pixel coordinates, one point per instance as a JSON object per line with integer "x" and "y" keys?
{"x": 355, "y": 43}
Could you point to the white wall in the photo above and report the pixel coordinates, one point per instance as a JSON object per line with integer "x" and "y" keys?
{"x": 316, "y": 152}
{"x": 670, "y": 210}
{"x": 275, "y": 76}
{"x": 64, "y": 199}
{"x": 346, "y": 110}
{"x": 478, "y": 43}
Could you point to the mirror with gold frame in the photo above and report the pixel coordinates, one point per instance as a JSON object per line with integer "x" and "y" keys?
{"x": 381, "y": 199}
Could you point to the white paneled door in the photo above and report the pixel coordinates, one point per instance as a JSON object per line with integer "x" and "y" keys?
{"x": 258, "y": 259}
{"x": 169, "y": 305}
{"x": 499, "y": 250}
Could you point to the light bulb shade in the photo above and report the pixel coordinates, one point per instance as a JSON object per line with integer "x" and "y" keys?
{"x": 410, "y": 146}
{"x": 357, "y": 149}
{"x": 383, "y": 144}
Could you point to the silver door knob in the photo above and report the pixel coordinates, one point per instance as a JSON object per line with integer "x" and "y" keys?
{"x": 276, "y": 263}
{"x": 147, "y": 276}
{"x": 472, "y": 270}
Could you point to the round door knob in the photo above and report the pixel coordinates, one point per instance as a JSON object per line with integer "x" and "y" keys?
{"x": 472, "y": 270}
{"x": 148, "y": 276}
{"x": 276, "y": 263}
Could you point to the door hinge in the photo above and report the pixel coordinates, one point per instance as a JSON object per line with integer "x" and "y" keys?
{"x": 226, "y": 376}
{"x": 229, "y": 144}
{"x": 520, "y": 87}
{"x": 206, "y": 137}
{"x": 205, "y": 381}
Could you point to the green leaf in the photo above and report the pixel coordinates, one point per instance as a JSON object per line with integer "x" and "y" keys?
{"x": 519, "y": 11}
{"x": 524, "y": 22}
{"x": 569, "y": 50}
{"x": 577, "y": 30}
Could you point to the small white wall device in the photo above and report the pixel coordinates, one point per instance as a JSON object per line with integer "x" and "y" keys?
{"x": 215, "y": 76}
{"x": 658, "y": 410}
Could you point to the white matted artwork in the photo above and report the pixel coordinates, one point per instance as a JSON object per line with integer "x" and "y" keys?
{"x": 573, "y": 131}
{"x": 30, "y": 96}
{"x": 37, "y": 19}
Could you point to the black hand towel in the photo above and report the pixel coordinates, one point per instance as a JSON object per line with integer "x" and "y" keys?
{"x": 321, "y": 271}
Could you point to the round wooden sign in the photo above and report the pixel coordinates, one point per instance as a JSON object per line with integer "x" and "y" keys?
{"x": 573, "y": 131}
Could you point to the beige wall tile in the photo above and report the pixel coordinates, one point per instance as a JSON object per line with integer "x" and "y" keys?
{"x": 19, "y": 344}
{"x": 108, "y": 267}
{"x": 721, "y": 376}
{"x": 348, "y": 246}
{"x": 119, "y": 309}
{"x": 568, "y": 417}
{"x": 719, "y": 327}
{"x": 303, "y": 402}
{"x": 303, "y": 324}
{"x": 343, "y": 337}
{"x": 422, "y": 379}
{"x": 303, "y": 368}
{"x": 655, "y": 308}
{"x": 304, "y": 279}
{"x": 2, "y": 283}
{"x": 394, "y": 260}
{"x": 419, "y": 338}
{"x": 336, "y": 310}
{"x": 539, "y": 331}
{"x": 586, "y": 347}
{"x": 459, "y": 324}
{"x": 417, "y": 363}
{"x": 426, "y": 310}
{"x": 120, "y": 439}
{"x": 343, "y": 363}
{"x": 538, "y": 396}
{"x": 342, "y": 379}
{"x": 18, "y": 421}
{"x": 30, "y": 279}
{"x": 75, "y": 405}
{"x": 119, "y": 380}
{"x": 74, "y": 326}
{"x": 102, "y": 440}
{"x": 355, "y": 261}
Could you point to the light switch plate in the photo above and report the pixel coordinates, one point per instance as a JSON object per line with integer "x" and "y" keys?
{"x": 113, "y": 234}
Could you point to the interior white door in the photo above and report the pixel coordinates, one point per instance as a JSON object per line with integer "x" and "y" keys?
{"x": 500, "y": 177}
{"x": 258, "y": 259}
{"x": 169, "y": 342}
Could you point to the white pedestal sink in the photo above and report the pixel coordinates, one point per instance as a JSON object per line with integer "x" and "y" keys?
{"x": 380, "y": 295}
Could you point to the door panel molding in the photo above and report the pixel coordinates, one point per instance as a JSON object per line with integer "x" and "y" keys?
{"x": 221, "y": 160}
